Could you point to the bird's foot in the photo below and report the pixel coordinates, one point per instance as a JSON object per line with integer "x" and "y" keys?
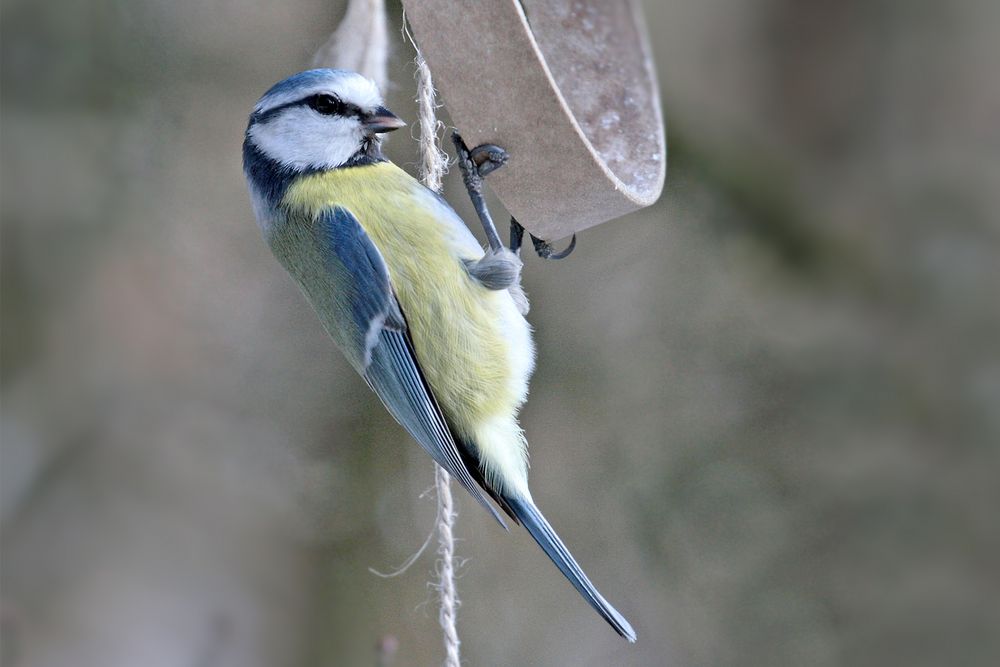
{"x": 542, "y": 248}
{"x": 474, "y": 165}
{"x": 488, "y": 158}
{"x": 545, "y": 251}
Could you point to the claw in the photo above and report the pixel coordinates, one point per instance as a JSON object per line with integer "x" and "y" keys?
{"x": 484, "y": 158}
{"x": 488, "y": 158}
{"x": 544, "y": 250}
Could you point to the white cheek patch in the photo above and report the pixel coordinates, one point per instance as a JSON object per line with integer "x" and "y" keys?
{"x": 302, "y": 139}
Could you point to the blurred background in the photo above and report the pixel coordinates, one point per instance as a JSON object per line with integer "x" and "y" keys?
{"x": 766, "y": 413}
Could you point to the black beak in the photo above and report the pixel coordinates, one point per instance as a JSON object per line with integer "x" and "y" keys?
{"x": 382, "y": 120}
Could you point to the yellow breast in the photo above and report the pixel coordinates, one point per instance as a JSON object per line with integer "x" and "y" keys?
{"x": 456, "y": 324}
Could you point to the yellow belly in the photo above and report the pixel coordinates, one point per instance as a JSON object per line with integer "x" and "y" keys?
{"x": 455, "y": 322}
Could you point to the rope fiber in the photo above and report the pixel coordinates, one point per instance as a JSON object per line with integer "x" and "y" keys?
{"x": 433, "y": 165}
{"x": 361, "y": 43}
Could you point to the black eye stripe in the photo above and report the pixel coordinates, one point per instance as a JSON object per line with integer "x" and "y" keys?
{"x": 333, "y": 105}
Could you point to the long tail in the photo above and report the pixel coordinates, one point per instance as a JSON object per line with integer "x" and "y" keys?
{"x": 532, "y": 519}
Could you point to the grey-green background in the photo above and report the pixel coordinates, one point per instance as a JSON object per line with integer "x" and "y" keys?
{"x": 766, "y": 414}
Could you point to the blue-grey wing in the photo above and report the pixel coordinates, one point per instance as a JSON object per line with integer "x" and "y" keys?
{"x": 383, "y": 350}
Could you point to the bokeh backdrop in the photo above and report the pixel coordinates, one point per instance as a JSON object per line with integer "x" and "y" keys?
{"x": 766, "y": 413}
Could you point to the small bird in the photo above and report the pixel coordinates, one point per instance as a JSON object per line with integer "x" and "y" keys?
{"x": 434, "y": 324}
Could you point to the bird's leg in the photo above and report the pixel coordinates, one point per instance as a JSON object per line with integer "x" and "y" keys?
{"x": 516, "y": 291}
{"x": 516, "y": 235}
{"x": 474, "y": 165}
{"x": 542, "y": 248}
{"x": 499, "y": 268}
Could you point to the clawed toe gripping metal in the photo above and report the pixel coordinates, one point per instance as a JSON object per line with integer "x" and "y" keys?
{"x": 475, "y": 164}
{"x": 542, "y": 248}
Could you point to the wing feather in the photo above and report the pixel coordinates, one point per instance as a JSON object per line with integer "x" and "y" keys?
{"x": 385, "y": 350}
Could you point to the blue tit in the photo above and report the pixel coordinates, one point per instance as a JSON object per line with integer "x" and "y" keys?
{"x": 429, "y": 320}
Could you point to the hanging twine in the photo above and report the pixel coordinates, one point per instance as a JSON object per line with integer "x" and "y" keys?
{"x": 433, "y": 164}
{"x": 447, "y": 616}
{"x": 433, "y": 160}
{"x": 361, "y": 43}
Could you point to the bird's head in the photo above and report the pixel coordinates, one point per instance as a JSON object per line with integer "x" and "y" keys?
{"x": 320, "y": 119}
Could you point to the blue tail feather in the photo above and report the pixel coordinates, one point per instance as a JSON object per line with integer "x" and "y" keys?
{"x": 542, "y": 532}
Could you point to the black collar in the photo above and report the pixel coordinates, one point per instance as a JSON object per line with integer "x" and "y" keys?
{"x": 271, "y": 178}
